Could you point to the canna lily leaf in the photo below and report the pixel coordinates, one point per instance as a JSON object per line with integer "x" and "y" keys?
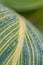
{"x": 23, "y": 5}
{"x": 20, "y": 42}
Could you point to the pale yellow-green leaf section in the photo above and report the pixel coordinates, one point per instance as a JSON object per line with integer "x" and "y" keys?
{"x": 20, "y": 42}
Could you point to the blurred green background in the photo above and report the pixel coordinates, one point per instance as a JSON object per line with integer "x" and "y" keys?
{"x": 32, "y": 10}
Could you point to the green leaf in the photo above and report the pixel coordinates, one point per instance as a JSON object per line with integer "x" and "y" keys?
{"x": 20, "y": 42}
{"x": 23, "y": 5}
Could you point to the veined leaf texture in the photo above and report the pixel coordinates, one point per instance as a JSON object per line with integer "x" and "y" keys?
{"x": 20, "y": 42}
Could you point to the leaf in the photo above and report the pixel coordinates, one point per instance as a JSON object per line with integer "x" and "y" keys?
{"x": 20, "y": 42}
{"x": 23, "y": 5}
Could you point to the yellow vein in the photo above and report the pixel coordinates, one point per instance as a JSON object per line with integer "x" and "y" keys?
{"x": 4, "y": 46}
{"x": 34, "y": 45}
{"x": 8, "y": 34}
{"x": 31, "y": 46}
{"x": 22, "y": 30}
{"x": 5, "y": 16}
{"x": 8, "y": 27}
{"x": 9, "y": 57}
{"x": 35, "y": 32}
{"x": 19, "y": 59}
{"x": 28, "y": 52}
{"x": 20, "y": 42}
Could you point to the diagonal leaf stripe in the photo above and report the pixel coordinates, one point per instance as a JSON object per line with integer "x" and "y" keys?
{"x": 20, "y": 42}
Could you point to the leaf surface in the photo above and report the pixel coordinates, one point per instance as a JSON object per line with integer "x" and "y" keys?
{"x": 20, "y": 42}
